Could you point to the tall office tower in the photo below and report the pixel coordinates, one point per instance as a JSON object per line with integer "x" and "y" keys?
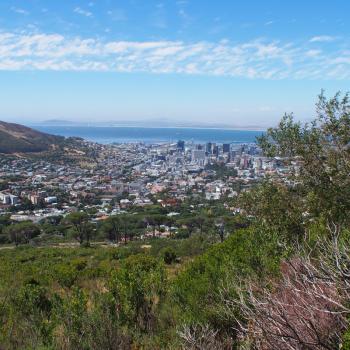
{"x": 209, "y": 148}
{"x": 245, "y": 162}
{"x": 181, "y": 145}
{"x": 215, "y": 150}
{"x": 198, "y": 155}
{"x": 226, "y": 148}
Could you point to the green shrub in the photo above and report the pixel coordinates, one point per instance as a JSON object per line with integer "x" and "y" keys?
{"x": 169, "y": 255}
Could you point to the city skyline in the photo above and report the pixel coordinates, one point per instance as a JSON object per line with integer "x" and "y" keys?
{"x": 226, "y": 62}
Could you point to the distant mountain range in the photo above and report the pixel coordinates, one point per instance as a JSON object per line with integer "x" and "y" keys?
{"x": 56, "y": 122}
{"x": 154, "y": 123}
{"x": 16, "y": 138}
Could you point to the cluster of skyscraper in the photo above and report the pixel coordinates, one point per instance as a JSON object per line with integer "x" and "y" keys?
{"x": 209, "y": 148}
{"x": 202, "y": 154}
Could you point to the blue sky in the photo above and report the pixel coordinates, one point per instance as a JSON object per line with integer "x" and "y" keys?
{"x": 234, "y": 62}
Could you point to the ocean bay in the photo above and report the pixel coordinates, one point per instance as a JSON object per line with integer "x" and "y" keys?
{"x": 117, "y": 134}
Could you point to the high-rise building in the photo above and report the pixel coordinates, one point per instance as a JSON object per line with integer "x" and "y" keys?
{"x": 215, "y": 150}
{"x": 209, "y": 148}
{"x": 226, "y": 148}
{"x": 198, "y": 155}
{"x": 245, "y": 162}
{"x": 181, "y": 145}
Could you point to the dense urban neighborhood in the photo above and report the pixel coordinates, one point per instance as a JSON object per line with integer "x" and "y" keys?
{"x": 126, "y": 176}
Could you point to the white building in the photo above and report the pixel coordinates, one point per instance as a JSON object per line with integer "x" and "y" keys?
{"x": 198, "y": 156}
{"x": 6, "y": 198}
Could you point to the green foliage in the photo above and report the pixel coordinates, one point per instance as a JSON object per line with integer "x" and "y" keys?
{"x": 247, "y": 253}
{"x": 222, "y": 172}
{"x": 3, "y": 185}
{"x": 169, "y": 255}
{"x": 4, "y": 221}
{"x": 137, "y": 287}
{"x": 25, "y": 204}
{"x": 73, "y": 312}
{"x": 111, "y": 228}
{"x": 32, "y": 297}
{"x": 346, "y": 340}
{"x": 22, "y": 232}
{"x": 28, "y": 322}
{"x": 277, "y": 207}
{"x": 81, "y": 228}
{"x": 322, "y": 148}
{"x": 65, "y": 275}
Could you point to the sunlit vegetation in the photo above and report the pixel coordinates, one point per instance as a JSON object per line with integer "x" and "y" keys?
{"x": 274, "y": 277}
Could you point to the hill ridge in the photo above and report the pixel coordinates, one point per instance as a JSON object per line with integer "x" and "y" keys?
{"x": 17, "y": 138}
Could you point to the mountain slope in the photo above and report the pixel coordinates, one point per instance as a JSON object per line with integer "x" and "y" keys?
{"x": 15, "y": 138}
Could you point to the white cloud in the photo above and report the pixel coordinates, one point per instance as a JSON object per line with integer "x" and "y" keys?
{"x": 20, "y": 11}
{"x": 82, "y": 12}
{"x": 258, "y": 59}
{"x": 322, "y": 39}
{"x": 313, "y": 53}
{"x": 342, "y": 60}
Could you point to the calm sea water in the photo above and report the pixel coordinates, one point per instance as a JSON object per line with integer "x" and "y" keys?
{"x": 152, "y": 135}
